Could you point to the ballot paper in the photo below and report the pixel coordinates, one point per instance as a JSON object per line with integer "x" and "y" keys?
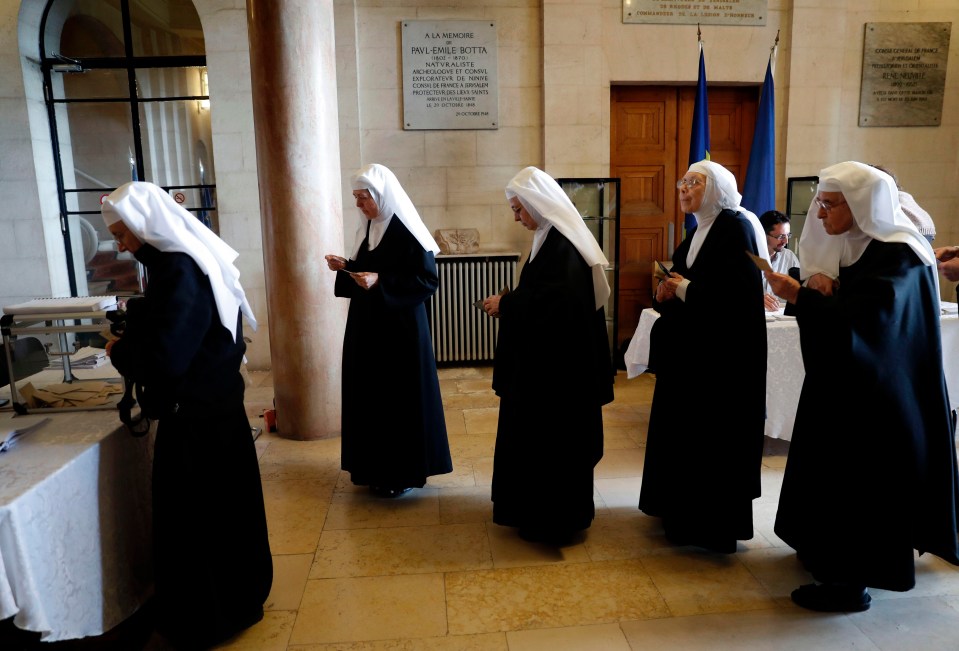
{"x": 9, "y": 436}
{"x": 86, "y": 357}
{"x": 73, "y": 395}
{"x": 478, "y": 304}
{"x": 759, "y": 262}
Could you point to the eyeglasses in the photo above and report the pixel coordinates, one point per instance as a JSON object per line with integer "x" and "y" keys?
{"x": 825, "y": 205}
{"x": 781, "y": 238}
{"x": 689, "y": 183}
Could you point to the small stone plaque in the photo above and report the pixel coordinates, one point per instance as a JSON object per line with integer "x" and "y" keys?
{"x": 450, "y": 74}
{"x": 695, "y": 12}
{"x": 903, "y": 74}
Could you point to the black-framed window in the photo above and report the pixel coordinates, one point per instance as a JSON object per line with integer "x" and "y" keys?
{"x": 125, "y": 86}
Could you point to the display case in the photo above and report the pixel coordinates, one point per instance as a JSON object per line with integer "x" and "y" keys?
{"x": 597, "y": 200}
{"x": 800, "y": 191}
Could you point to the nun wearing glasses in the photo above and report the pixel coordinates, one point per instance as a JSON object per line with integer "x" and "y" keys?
{"x": 871, "y": 473}
{"x": 394, "y": 430}
{"x": 183, "y": 342}
{"x": 708, "y": 350}
{"x": 552, "y": 371}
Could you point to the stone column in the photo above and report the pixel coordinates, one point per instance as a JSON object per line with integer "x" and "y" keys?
{"x": 293, "y": 70}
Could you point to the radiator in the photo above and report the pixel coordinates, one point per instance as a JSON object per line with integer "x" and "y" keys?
{"x": 463, "y": 334}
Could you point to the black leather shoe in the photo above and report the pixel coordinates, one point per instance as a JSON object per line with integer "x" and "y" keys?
{"x": 832, "y": 598}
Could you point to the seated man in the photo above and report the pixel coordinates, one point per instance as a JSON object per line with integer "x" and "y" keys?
{"x": 776, "y": 226}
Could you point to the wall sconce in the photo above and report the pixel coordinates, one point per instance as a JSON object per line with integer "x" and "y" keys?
{"x": 203, "y": 104}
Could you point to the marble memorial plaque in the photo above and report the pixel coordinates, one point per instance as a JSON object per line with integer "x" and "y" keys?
{"x": 450, "y": 74}
{"x": 695, "y": 12}
{"x": 903, "y": 74}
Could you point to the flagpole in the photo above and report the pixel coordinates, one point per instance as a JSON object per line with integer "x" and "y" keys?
{"x": 759, "y": 188}
{"x": 699, "y": 133}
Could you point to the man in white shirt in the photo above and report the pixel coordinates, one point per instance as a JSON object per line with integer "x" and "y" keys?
{"x": 776, "y": 226}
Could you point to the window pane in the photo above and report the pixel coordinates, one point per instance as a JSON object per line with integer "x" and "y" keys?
{"x": 84, "y": 28}
{"x": 165, "y": 28}
{"x": 96, "y": 144}
{"x": 172, "y": 82}
{"x": 177, "y": 143}
{"x": 91, "y": 84}
{"x": 201, "y": 202}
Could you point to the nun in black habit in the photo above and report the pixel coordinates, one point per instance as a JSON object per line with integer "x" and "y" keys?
{"x": 708, "y": 349}
{"x": 183, "y": 343}
{"x": 394, "y": 430}
{"x": 871, "y": 472}
{"x": 553, "y": 371}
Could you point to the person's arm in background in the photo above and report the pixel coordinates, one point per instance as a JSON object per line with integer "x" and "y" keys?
{"x": 948, "y": 257}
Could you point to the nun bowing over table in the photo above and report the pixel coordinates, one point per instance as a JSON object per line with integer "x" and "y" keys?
{"x": 183, "y": 343}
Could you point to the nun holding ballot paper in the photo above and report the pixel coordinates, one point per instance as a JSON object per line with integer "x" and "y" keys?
{"x": 552, "y": 372}
{"x": 183, "y": 342}
{"x": 394, "y": 429}
{"x": 871, "y": 474}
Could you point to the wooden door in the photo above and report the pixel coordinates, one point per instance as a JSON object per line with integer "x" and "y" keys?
{"x": 649, "y": 148}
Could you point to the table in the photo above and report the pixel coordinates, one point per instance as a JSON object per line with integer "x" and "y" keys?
{"x": 784, "y": 367}
{"x": 75, "y": 524}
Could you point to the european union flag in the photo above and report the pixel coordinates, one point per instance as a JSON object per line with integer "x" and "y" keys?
{"x": 699, "y": 138}
{"x": 759, "y": 190}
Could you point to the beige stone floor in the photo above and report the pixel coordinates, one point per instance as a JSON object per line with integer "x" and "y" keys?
{"x": 431, "y": 572}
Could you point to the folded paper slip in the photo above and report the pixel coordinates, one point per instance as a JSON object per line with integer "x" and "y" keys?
{"x": 8, "y": 437}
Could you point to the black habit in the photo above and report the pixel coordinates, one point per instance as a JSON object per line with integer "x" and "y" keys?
{"x": 394, "y": 430}
{"x": 871, "y": 473}
{"x": 212, "y": 554}
{"x": 705, "y": 439}
{"x": 553, "y": 373}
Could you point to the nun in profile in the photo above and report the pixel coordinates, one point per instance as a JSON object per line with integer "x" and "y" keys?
{"x": 394, "y": 430}
{"x": 183, "y": 343}
{"x": 553, "y": 370}
{"x": 705, "y": 440}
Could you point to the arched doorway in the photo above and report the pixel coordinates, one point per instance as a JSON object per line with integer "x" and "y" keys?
{"x": 126, "y": 97}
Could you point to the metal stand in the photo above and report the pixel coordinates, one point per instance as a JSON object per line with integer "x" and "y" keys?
{"x": 32, "y": 324}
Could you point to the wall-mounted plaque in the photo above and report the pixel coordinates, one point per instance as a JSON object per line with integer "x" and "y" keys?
{"x": 693, "y": 12}
{"x": 450, "y": 74}
{"x": 903, "y": 74}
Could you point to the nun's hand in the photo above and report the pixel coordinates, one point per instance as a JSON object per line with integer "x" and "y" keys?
{"x": 946, "y": 253}
{"x": 821, "y": 283}
{"x": 950, "y": 269}
{"x": 491, "y": 305}
{"x": 667, "y": 287}
{"x": 783, "y": 285}
{"x": 366, "y": 279}
{"x": 335, "y": 262}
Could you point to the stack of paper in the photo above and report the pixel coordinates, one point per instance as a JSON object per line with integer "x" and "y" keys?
{"x": 8, "y": 437}
{"x": 87, "y": 357}
{"x": 65, "y": 305}
{"x": 949, "y": 308}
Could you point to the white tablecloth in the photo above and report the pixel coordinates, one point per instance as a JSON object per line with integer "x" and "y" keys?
{"x": 75, "y": 550}
{"x": 784, "y": 367}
